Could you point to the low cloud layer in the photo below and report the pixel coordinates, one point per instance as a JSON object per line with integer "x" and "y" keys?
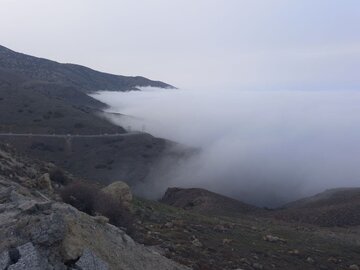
{"x": 263, "y": 147}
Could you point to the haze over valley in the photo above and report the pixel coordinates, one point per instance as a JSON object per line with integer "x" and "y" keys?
{"x": 264, "y": 147}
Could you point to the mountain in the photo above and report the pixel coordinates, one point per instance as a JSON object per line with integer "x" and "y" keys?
{"x": 82, "y": 78}
{"x": 39, "y": 96}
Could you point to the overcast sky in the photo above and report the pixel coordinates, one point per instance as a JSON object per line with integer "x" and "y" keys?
{"x": 248, "y": 44}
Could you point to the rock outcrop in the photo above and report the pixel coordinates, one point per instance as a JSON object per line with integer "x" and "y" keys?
{"x": 39, "y": 233}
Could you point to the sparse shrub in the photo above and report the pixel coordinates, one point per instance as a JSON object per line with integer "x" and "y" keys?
{"x": 90, "y": 199}
{"x": 80, "y": 195}
{"x": 58, "y": 176}
{"x": 118, "y": 214}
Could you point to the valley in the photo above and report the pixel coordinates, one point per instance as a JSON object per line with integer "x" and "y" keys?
{"x": 67, "y": 200}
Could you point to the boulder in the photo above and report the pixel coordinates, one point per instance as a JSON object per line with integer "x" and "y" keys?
{"x": 120, "y": 191}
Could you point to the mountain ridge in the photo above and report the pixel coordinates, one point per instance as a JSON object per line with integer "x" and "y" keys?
{"x": 85, "y": 79}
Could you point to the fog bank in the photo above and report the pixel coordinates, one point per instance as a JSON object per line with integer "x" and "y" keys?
{"x": 263, "y": 147}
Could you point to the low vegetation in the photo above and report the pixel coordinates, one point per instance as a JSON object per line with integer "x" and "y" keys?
{"x": 58, "y": 176}
{"x": 90, "y": 199}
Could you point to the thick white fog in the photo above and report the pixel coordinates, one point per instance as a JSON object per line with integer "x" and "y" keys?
{"x": 263, "y": 147}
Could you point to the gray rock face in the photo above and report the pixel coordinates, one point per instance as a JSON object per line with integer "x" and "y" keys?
{"x": 89, "y": 261}
{"x": 49, "y": 230}
{"x": 29, "y": 259}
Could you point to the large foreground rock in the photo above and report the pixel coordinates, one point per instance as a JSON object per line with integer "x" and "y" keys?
{"x": 39, "y": 233}
{"x": 35, "y": 230}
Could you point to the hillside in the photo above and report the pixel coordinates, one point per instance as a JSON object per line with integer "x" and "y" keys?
{"x": 204, "y": 201}
{"x": 39, "y": 96}
{"x": 329, "y": 197}
{"x": 129, "y": 158}
{"x": 251, "y": 241}
{"x": 42, "y": 107}
{"x": 334, "y": 207}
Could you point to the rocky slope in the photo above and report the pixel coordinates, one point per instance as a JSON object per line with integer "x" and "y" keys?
{"x": 38, "y": 232}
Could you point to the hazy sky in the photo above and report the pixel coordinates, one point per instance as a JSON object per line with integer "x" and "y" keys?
{"x": 263, "y": 44}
